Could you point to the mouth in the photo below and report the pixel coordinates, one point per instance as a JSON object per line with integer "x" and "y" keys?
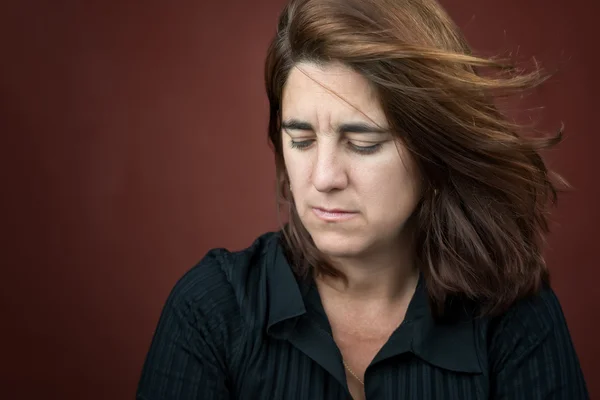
{"x": 333, "y": 215}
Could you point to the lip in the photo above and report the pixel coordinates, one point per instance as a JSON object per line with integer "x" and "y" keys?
{"x": 333, "y": 215}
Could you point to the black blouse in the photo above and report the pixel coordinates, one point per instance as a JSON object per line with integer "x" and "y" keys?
{"x": 239, "y": 325}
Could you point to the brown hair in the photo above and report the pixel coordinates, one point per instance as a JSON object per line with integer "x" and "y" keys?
{"x": 481, "y": 223}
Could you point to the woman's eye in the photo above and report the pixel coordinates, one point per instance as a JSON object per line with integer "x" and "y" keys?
{"x": 365, "y": 149}
{"x": 301, "y": 144}
{"x": 360, "y": 149}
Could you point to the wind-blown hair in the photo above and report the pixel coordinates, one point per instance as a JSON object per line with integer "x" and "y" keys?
{"x": 481, "y": 223}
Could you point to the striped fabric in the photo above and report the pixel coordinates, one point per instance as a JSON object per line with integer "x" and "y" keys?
{"x": 239, "y": 325}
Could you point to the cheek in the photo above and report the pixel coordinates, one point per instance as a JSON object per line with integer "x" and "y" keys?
{"x": 393, "y": 189}
{"x": 297, "y": 167}
{"x": 288, "y": 162}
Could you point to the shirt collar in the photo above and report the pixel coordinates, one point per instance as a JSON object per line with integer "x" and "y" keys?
{"x": 450, "y": 345}
{"x": 285, "y": 300}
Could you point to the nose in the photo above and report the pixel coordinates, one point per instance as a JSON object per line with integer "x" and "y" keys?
{"x": 329, "y": 172}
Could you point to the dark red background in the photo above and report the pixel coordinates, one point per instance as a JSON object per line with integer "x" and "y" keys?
{"x": 134, "y": 139}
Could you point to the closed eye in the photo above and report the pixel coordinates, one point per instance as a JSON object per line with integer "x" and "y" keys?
{"x": 306, "y": 143}
{"x": 301, "y": 144}
{"x": 364, "y": 149}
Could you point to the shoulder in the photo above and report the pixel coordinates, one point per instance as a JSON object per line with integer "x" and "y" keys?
{"x": 531, "y": 324}
{"x": 535, "y": 316}
{"x": 217, "y": 287}
{"x": 531, "y": 354}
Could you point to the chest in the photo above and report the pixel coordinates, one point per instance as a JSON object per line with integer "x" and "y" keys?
{"x": 360, "y": 335}
{"x": 359, "y": 343}
{"x": 282, "y": 370}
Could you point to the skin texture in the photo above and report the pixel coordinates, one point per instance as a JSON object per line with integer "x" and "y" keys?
{"x": 380, "y": 186}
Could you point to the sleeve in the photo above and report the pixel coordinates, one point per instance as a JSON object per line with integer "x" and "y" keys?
{"x": 532, "y": 355}
{"x": 189, "y": 349}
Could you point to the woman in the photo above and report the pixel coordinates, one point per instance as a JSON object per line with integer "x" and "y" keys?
{"x": 411, "y": 266}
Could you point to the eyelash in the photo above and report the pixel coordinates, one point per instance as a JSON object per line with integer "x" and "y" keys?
{"x": 364, "y": 150}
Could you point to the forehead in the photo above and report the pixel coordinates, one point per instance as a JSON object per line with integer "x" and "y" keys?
{"x": 331, "y": 90}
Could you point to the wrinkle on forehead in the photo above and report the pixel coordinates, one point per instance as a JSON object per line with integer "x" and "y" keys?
{"x": 331, "y": 81}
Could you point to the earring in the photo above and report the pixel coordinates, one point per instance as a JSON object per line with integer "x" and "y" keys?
{"x": 290, "y": 187}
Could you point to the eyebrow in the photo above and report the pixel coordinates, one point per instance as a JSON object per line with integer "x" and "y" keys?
{"x": 351, "y": 127}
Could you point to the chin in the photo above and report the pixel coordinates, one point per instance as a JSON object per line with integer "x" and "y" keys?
{"x": 337, "y": 244}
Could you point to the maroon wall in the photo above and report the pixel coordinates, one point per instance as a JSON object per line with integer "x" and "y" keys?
{"x": 133, "y": 140}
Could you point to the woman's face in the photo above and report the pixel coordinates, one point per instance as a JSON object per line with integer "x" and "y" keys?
{"x": 354, "y": 185}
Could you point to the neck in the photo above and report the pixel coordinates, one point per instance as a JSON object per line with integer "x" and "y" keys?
{"x": 382, "y": 277}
